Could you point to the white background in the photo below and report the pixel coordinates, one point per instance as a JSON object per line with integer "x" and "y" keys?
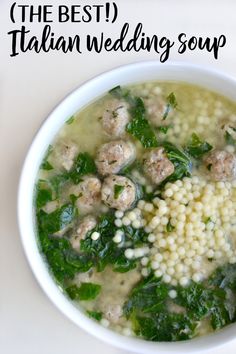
{"x": 30, "y": 86}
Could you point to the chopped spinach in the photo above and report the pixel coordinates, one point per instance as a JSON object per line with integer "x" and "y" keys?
{"x": 45, "y": 165}
{"x": 164, "y": 327}
{"x": 148, "y": 306}
{"x": 230, "y": 140}
{"x": 196, "y": 147}
{"x": 171, "y": 104}
{"x": 123, "y": 265}
{"x": 220, "y": 316}
{"x": 43, "y": 195}
{"x": 54, "y": 250}
{"x": 181, "y": 161}
{"x": 81, "y": 262}
{"x": 73, "y": 198}
{"x": 198, "y": 299}
{"x": 83, "y": 165}
{"x": 95, "y": 315}
{"x": 70, "y": 120}
{"x": 207, "y": 220}
{"x": 104, "y": 251}
{"x": 202, "y": 301}
{"x": 136, "y": 236}
{"x": 57, "y": 220}
{"x": 118, "y": 190}
{"x": 63, "y": 261}
{"x": 163, "y": 128}
{"x": 122, "y": 93}
{"x": 169, "y": 227}
{"x": 139, "y": 127}
{"x": 148, "y": 310}
{"x": 224, "y": 277}
{"x": 57, "y": 181}
{"x": 86, "y": 291}
{"x": 144, "y": 195}
{"x": 148, "y": 296}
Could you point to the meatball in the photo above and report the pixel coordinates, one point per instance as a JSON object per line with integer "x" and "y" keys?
{"x": 87, "y": 224}
{"x": 156, "y": 107}
{"x": 68, "y": 152}
{"x": 113, "y": 156}
{"x": 118, "y": 192}
{"x": 221, "y": 165}
{"x": 115, "y": 118}
{"x": 88, "y": 192}
{"x": 157, "y": 166}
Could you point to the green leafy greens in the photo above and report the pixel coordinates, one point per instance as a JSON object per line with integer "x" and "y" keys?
{"x": 122, "y": 93}
{"x": 86, "y": 291}
{"x": 165, "y": 327}
{"x": 83, "y": 165}
{"x": 163, "y": 128}
{"x": 63, "y": 261}
{"x": 169, "y": 227}
{"x": 171, "y": 104}
{"x": 181, "y": 161}
{"x": 57, "y": 181}
{"x": 95, "y": 315}
{"x": 230, "y": 140}
{"x": 45, "y": 165}
{"x": 139, "y": 126}
{"x": 43, "y": 194}
{"x": 196, "y": 147}
{"x": 118, "y": 190}
{"x": 104, "y": 251}
{"x": 154, "y": 318}
{"x": 147, "y": 307}
{"x": 58, "y": 219}
{"x": 70, "y": 120}
{"x": 225, "y": 277}
{"x": 148, "y": 296}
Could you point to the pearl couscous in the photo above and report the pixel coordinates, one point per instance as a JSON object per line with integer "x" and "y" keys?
{"x": 136, "y": 210}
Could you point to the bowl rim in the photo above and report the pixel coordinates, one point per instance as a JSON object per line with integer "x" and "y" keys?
{"x": 27, "y": 227}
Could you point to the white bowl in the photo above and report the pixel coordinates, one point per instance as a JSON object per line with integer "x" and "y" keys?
{"x": 138, "y": 72}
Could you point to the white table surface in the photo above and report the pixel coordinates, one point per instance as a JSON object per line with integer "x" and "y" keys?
{"x": 30, "y": 86}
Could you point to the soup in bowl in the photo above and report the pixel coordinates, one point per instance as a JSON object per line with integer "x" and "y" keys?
{"x": 131, "y": 215}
